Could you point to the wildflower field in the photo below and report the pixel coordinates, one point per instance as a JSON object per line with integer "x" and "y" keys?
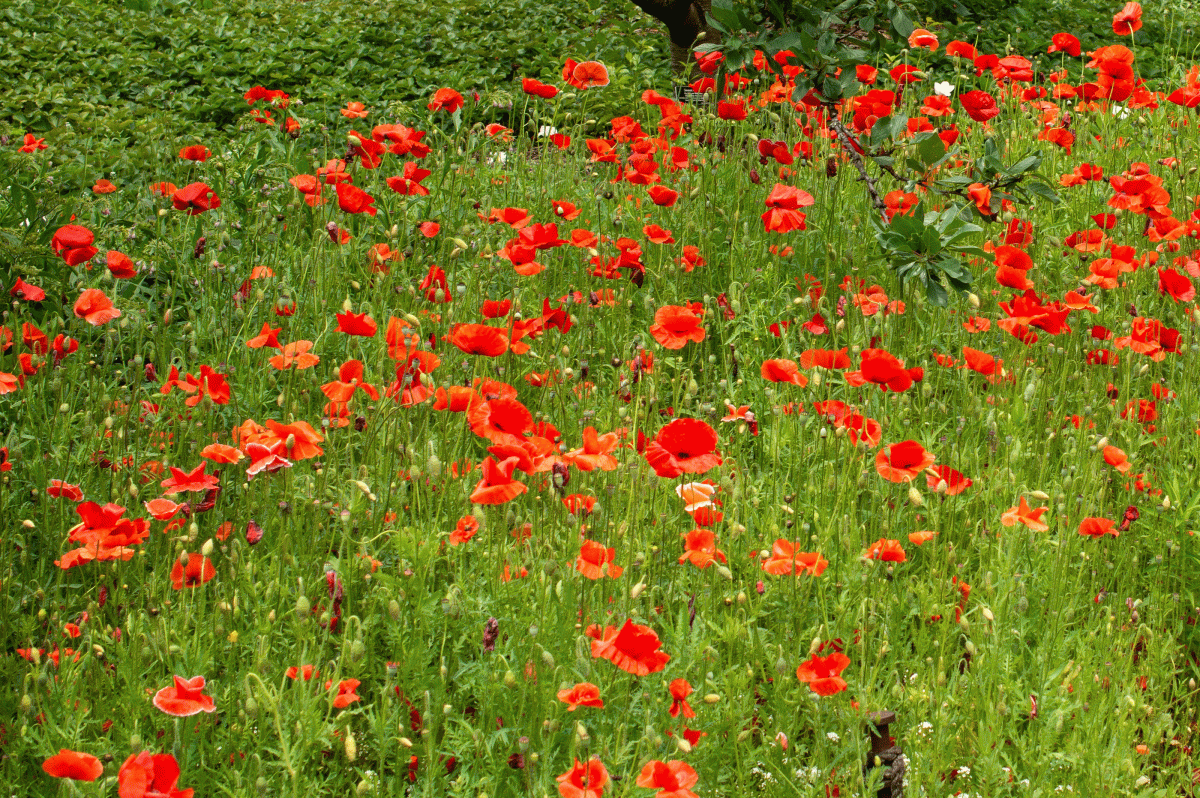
{"x": 567, "y": 438}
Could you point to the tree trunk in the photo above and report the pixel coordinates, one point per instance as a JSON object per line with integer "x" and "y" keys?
{"x": 685, "y": 21}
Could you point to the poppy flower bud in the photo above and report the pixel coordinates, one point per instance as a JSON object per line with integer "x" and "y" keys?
{"x": 303, "y": 607}
{"x": 744, "y": 735}
{"x": 581, "y": 732}
{"x": 914, "y": 497}
{"x": 207, "y": 549}
{"x": 290, "y": 443}
{"x": 184, "y": 559}
{"x": 683, "y": 745}
{"x": 351, "y": 747}
{"x": 636, "y": 590}
{"x": 1040, "y": 495}
{"x": 407, "y": 743}
{"x": 510, "y": 679}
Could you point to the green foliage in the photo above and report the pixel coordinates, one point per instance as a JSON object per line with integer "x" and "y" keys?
{"x": 929, "y": 247}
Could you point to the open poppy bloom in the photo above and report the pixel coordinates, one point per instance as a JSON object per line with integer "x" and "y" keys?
{"x": 584, "y": 694}
{"x": 73, "y": 243}
{"x": 148, "y": 775}
{"x": 595, "y": 561}
{"x": 700, "y": 548}
{"x": 194, "y": 481}
{"x": 67, "y": 764}
{"x": 94, "y": 307}
{"x": 783, "y": 371}
{"x": 886, "y": 550}
{"x": 633, "y": 648}
{"x": 583, "y": 781}
{"x": 902, "y": 462}
{"x": 184, "y": 698}
{"x": 587, "y": 75}
{"x": 785, "y": 559}
{"x": 1024, "y": 514}
{"x": 198, "y": 570}
{"x": 447, "y": 100}
{"x": 675, "y": 325}
{"x": 497, "y": 485}
{"x": 1097, "y": 527}
{"x": 945, "y": 480}
{"x": 195, "y": 198}
{"x": 685, "y": 446}
{"x": 672, "y": 779}
{"x": 346, "y": 694}
{"x": 824, "y": 674}
{"x": 680, "y": 689}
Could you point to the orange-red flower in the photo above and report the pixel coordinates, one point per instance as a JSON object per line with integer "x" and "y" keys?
{"x": 355, "y": 324}
{"x": 345, "y": 692}
{"x": 680, "y": 689}
{"x": 1128, "y": 19}
{"x": 633, "y": 648}
{"x": 685, "y": 446}
{"x": 185, "y": 697}
{"x": 295, "y": 354}
{"x": 584, "y": 694}
{"x": 824, "y": 674}
{"x": 596, "y": 561}
{"x": 447, "y": 100}
{"x": 783, "y": 371}
{"x": 73, "y": 243}
{"x": 672, "y": 779}
{"x": 902, "y": 462}
{"x": 583, "y": 780}
{"x": 1024, "y": 514}
{"x": 195, "y": 198}
{"x": 75, "y": 765}
{"x": 587, "y": 75}
{"x": 700, "y": 548}
{"x": 595, "y": 452}
{"x": 94, "y": 307}
{"x": 886, "y": 550}
{"x": 148, "y": 775}
{"x": 478, "y": 339}
{"x": 785, "y": 559}
{"x": 497, "y": 485}
{"x": 199, "y": 569}
{"x": 1097, "y": 527}
{"x": 464, "y": 530}
{"x": 194, "y": 481}
{"x": 1117, "y": 459}
{"x": 675, "y": 325}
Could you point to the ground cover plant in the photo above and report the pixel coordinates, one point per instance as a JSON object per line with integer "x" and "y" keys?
{"x": 583, "y": 454}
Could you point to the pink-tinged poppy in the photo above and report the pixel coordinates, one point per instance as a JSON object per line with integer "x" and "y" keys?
{"x": 588, "y": 75}
{"x": 74, "y": 765}
{"x": 903, "y": 462}
{"x": 184, "y": 698}
{"x": 921, "y": 38}
{"x": 195, "y": 198}
{"x": 447, "y": 100}
{"x": 823, "y": 675}
{"x": 94, "y": 307}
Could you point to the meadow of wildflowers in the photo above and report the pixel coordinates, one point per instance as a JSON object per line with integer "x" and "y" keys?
{"x": 648, "y": 455}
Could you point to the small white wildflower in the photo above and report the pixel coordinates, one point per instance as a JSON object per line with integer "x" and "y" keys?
{"x": 833, "y": 737}
{"x": 964, "y": 772}
{"x": 945, "y": 89}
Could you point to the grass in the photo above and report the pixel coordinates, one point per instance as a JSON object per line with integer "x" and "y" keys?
{"x": 1021, "y": 658}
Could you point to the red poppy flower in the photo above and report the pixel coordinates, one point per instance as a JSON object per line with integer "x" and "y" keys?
{"x": 785, "y": 559}
{"x": 1024, "y": 514}
{"x": 1128, "y": 19}
{"x": 194, "y": 481}
{"x": 295, "y": 354}
{"x": 195, "y": 198}
{"x": 944, "y": 479}
{"x": 675, "y": 325}
{"x": 884, "y": 369}
{"x": 464, "y": 530}
{"x": 588, "y": 75}
{"x": 95, "y": 307}
{"x": 1064, "y": 42}
{"x": 198, "y": 570}
{"x": 304, "y": 672}
{"x": 824, "y": 674}
{"x": 700, "y": 545}
{"x": 31, "y": 144}
{"x": 886, "y": 550}
{"x": 148, "y": 775}
{"x": 596, "y": 561}
{"x": 902, "y": 462}
{"x": 23, "y": 290}
{"x": 783, "y": 371}
{"x": 633, "y": 648}
{"x": 355, "y": 324}
{"x": 195, "y": 152}
{"x": 345, "y": 692}
{"x": 73, "y": 243}
{"x": 979, "y": 105}
{"x": 584, "y": 694}
{"x": 662, "y": 196}
{"x": 583, "y": 781}
{"x": 447, "y": 100}
{"x": 685, "y": 446}
{"x": 680, "y": 689}
{"x": 75, "y": 765}
{"x": 478, "y": 339}
{"x": 353, "y": 199}
{"x": 497, "y": 485}
{"x": 536, "y": 88}
{"x": 184, "y": 698}
{"x": 672, "y": 779}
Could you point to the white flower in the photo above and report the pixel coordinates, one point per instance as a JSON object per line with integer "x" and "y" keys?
{"x": 833, "y": 737}
{"x": 547, "y": 130}
{"x": 1120, "y": 111}
{"x": 945, "y": 89}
